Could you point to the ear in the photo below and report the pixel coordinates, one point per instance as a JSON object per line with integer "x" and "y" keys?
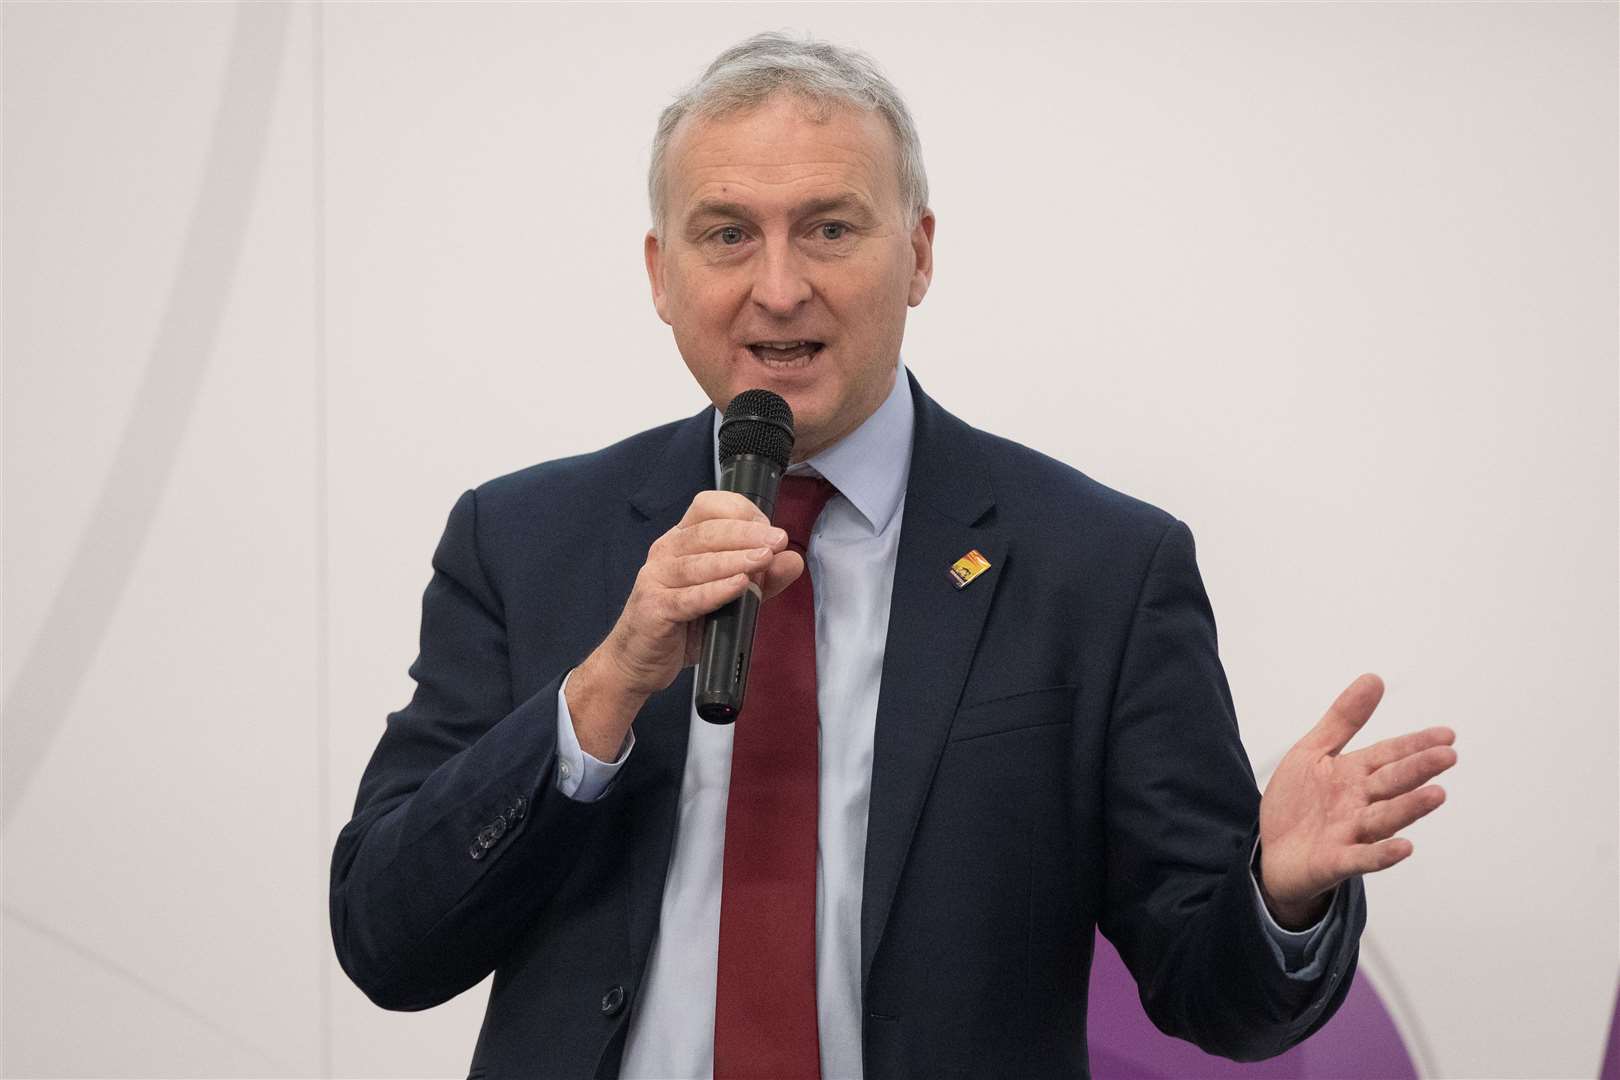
{"x": 654, "y": 255}
{"x": 922, "y": 246}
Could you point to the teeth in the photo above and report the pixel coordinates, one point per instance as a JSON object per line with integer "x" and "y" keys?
{"x": 781, "y": 345}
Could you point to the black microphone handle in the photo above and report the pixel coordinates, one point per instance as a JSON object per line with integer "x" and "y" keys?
{"x": 728, "y": 634}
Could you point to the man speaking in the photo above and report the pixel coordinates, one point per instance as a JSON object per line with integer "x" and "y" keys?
{"x": 984, "y": 715}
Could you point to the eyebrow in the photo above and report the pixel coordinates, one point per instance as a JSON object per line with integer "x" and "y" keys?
{"x": 713, "y": 208}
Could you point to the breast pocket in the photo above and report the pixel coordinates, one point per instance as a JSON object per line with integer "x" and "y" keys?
{"x": 1047, "y": 706}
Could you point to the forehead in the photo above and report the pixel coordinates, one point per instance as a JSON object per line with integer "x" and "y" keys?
{"x": 785, "y": 149}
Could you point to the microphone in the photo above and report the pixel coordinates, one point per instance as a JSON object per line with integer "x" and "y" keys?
{"x": 756, "y": 440}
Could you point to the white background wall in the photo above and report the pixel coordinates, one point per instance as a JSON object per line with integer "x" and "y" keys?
{"x": 1334, "y": 283}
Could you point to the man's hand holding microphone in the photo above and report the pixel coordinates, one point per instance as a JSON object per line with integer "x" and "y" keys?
{"x": 723, "y": 547}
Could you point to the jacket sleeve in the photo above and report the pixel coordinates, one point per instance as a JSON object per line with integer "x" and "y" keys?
{"x": 1182, "y": 819}
{"x": 460, "y": 835}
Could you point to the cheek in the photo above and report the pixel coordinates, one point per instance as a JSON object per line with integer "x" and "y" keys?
{"x": 693, "y": 296}
{"x": 858, "y": 292}
{"x": 710, "y": 308}
{"x": 889, "y": 282}
{"x": 873, "y": 308}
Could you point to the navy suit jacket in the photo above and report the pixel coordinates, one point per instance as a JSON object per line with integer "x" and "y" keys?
{"x": 1055, "y": 749}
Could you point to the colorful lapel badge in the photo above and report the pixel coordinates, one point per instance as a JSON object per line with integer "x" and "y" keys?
{"x": 968, "y": 567}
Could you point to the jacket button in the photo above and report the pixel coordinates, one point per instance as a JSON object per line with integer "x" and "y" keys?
{"x": 498, "y": 827}
{"x": 613, "y": 1001}
{"x": 477, "y": 850}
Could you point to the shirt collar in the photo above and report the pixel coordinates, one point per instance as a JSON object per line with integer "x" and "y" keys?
{"x": 869, "y": 465}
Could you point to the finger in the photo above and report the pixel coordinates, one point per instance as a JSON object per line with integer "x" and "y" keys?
{"x": 1385, "y": 819}
{"x": 1371, "y": 858}
{"x": 1379, "y": 754}
{"x": 1347, "y": 715}
{"x": 1402, "y": 776}
{"x": 784, "y": 570}
{"x": 684, "y": 605}
{"x": 722, "y": 504}
{"x": 690, "y": 570}
{"x": 720, "y": 534}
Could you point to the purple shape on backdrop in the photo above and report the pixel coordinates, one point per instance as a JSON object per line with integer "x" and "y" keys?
{"x": 1359, "y": 1043}
{"x": 1611, "y": 1056}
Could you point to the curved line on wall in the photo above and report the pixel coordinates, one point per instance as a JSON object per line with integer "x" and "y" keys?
{"x": 76, "y": 622}
{"x": 1381, "y": 973}
{"x": 119, "y": 971}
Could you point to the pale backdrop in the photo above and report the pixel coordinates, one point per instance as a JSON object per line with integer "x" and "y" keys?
{"x": 1335, "y": 284}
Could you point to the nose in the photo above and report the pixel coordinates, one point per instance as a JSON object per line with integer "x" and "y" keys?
{"x": 780, "y": 284}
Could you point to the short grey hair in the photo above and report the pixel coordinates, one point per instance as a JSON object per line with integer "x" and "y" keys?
{"x": 749, "y": 73}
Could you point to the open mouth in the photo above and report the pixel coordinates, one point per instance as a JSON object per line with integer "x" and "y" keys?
{"x": 785, "y": 353}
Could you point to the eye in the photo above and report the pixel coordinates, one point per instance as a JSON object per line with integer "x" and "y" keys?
{"x": 730, "y": 236}
{"x": 833, "y": 230}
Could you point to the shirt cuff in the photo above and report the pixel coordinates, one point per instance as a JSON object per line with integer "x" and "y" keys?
{"x": 580, "y": 776}
{"x": 1300, "y": 953}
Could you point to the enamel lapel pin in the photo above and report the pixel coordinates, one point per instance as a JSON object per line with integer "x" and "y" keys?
{"x": 968, "y": 567}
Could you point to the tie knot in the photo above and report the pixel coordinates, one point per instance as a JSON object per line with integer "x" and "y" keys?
{"x": 798, "y": 503}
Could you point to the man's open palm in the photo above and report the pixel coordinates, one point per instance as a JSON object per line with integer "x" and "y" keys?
{"x": 1327, "y": 816}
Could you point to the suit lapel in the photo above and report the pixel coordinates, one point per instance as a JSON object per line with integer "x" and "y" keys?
{"x": 933, "y": 633}
{"x": 653, "y": 774}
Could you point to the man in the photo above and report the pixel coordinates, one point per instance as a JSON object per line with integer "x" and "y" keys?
{"x": 893, "y": 862}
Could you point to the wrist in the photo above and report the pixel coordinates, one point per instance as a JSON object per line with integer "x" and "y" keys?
{"x": 1297, "y": 915}
{"x": 1291, "y": 914}
{"x": 602, "y": 705}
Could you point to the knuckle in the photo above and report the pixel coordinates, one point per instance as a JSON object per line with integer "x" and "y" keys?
{"x": 707, "y": 597}
{"x": 727, "y": 535}
{"x": 695, "y": 569}
{"x": 697, "y": 532}
{"x": 735, "y": 505}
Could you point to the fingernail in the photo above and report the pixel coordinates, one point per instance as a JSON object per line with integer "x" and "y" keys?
{"x": 778, "y": 536}
{"x": 760, "y": 553}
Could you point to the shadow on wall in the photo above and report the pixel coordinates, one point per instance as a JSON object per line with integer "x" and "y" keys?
{"x": 1359, "y": 1043}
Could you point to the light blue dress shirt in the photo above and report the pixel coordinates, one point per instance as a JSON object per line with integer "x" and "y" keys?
{"x": 851, "y": 565}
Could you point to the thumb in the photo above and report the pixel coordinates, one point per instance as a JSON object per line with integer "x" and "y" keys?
{"x": 1347, "y": 715}
{"x": 784, "y": 570}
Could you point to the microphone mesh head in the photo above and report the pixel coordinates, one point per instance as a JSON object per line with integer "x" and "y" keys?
{"x": 757, "y": 422}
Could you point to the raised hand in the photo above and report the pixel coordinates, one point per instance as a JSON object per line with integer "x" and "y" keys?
{"x": 1327, "y": 816}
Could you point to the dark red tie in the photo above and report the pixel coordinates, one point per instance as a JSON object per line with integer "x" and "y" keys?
{"x": 765, "y": 997}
